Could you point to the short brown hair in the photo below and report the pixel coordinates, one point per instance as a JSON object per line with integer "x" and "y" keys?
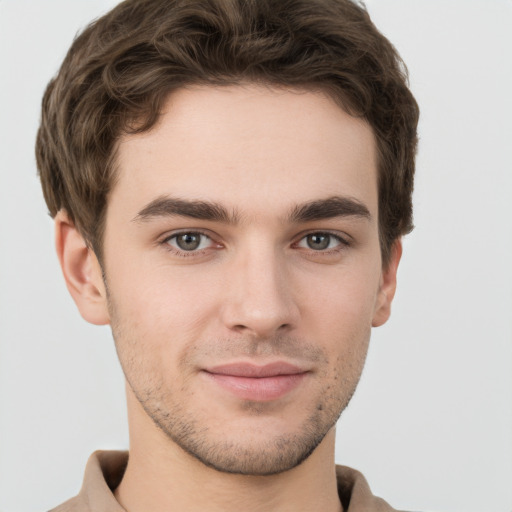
{"x": 121, "y": 68}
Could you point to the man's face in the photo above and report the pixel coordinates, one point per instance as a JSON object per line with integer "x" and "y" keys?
{"x": 242, "y": 262}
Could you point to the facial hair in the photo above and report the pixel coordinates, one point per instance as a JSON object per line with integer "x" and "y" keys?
{"x": 224, "y": 448}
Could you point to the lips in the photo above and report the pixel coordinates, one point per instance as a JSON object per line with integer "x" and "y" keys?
{"x": 257, "y": 383}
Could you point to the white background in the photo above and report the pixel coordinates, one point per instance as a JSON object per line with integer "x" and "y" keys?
{"x": 431, "y": 423}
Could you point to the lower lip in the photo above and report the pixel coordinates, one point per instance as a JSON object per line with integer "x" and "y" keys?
{"x": 259, "y": 389}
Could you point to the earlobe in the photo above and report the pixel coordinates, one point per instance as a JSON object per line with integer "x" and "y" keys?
{"x": 387, "y": 286}
{"x": 81, "y": 270}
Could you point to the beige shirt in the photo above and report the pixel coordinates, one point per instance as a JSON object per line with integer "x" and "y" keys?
{"x": 105, "y": 470}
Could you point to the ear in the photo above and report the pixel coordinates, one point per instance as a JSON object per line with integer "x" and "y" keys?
{"x": 82, "y": 271}
{"x": 387, "y": 286}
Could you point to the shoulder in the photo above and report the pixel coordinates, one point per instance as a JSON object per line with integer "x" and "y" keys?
{"x": 75, "y": 504}
{"x": 355, "y": 493}
{"x": 103, "y": 473}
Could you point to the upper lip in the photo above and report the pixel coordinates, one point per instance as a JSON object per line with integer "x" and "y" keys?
{"x": 242, "y": 369}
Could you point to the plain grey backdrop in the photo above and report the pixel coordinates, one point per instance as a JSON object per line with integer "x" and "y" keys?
{"x": 431, "y": 423}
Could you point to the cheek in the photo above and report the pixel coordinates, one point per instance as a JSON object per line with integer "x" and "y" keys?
{"x": 340, "y": 318}
{"x": 162, "y": 306}
{"x": 345, "y": 301}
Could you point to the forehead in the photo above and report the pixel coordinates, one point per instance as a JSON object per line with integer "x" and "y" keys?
{"x": 250, "y": 147}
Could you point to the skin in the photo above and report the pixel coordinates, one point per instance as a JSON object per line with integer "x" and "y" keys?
{"x": 266, "y": 284}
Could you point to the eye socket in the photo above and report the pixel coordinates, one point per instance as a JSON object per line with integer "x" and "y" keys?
{"x": 189, "y": 241}
{"x": 321, "y": 241}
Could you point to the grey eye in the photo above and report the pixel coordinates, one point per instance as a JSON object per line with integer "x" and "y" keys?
{"x": 190, "y": 241}
{"x": 318, "y": 241}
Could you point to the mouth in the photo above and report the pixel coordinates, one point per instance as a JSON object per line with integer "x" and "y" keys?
{"x": 257, "y": 383}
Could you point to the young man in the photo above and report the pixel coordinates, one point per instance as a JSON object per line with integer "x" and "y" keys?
{"x": 230, "y": 181}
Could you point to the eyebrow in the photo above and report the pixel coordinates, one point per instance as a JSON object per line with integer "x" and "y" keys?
{"x": 335, "y": 206}
{"x": 320, "y": 209}
{"x": 166, "y": 206}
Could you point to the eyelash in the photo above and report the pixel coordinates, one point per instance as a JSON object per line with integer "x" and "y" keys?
{"x": 343, "y": 243}
{"x": 182, "y": 253}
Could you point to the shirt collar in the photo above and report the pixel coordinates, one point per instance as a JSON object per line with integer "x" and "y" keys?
{"x": 105, "y": 470}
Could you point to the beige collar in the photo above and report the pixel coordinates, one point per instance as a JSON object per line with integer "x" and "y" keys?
{"x": 105, "y": 470}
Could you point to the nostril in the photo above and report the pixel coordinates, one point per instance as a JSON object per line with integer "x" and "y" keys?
{"x": 258, "y": 330}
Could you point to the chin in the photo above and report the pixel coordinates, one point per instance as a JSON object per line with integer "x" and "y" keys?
{"x": 257, "y": 446}
{"x": 255, "y": 459}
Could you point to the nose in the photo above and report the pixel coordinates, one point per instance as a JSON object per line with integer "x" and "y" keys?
{"x": 259, "y": 295}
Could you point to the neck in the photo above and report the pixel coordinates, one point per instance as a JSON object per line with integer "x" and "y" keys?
{"x": 160, "y": 476}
